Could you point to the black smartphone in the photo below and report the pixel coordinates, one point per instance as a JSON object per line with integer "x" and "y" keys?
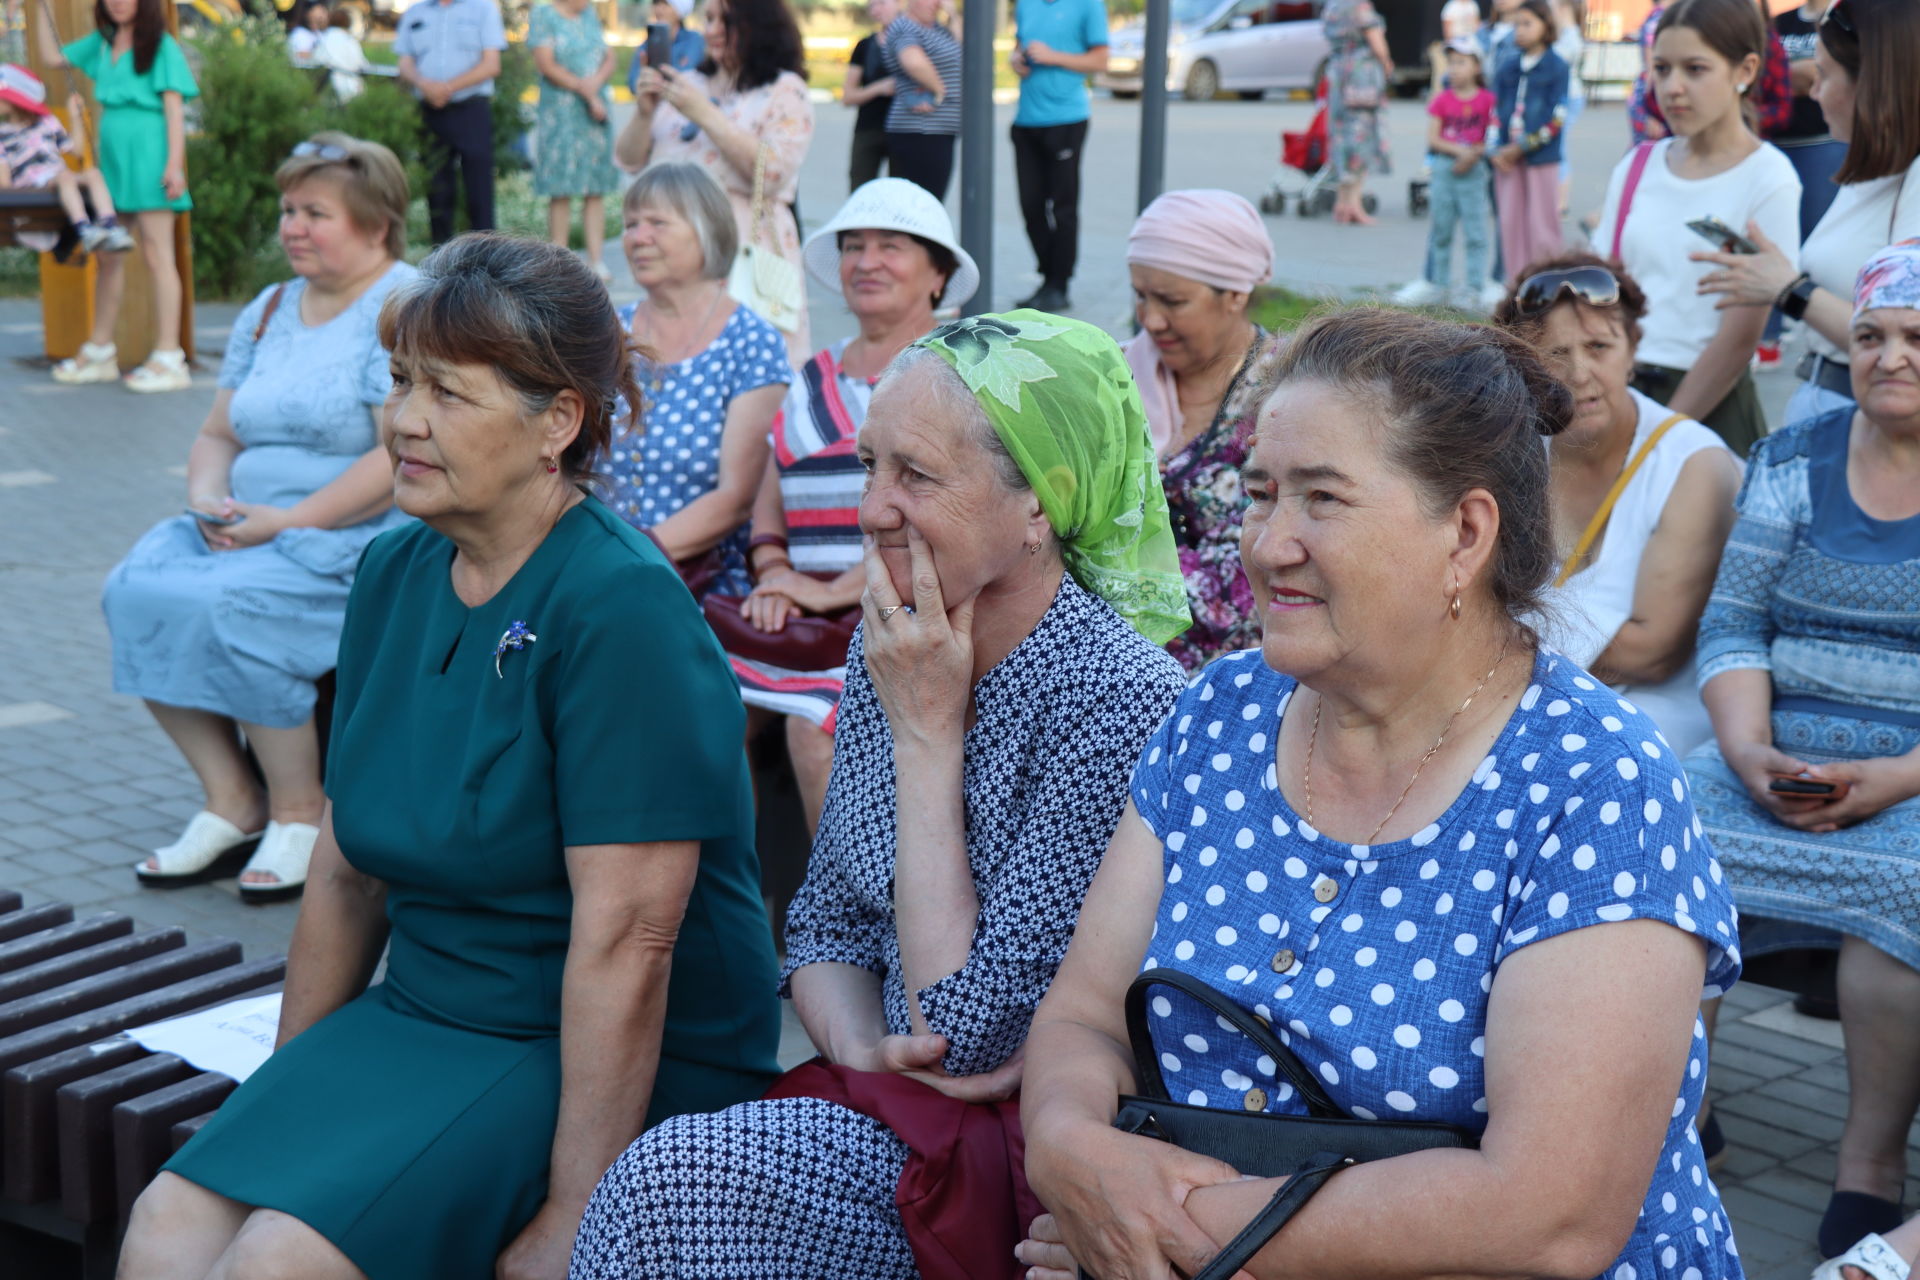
{"x": 207, "y": 517}
{"x": 1800, "y": 787}
{"x": 659, "y": 44}
{"x": 1724, "y": 237}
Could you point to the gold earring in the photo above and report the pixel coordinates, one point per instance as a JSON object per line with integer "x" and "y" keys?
{"x": 1033, "y": 548}
{"x": 1454, "y": 608}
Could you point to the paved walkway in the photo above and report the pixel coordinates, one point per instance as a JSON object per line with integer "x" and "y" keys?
{"x": 88, "y": 784}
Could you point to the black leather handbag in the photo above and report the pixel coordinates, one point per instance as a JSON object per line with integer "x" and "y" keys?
{"x": 1305, "y": 1150}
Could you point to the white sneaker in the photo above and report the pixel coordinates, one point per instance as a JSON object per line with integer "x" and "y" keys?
{"x": 1492, "y": 295}
{"x": 93, "y": 364}
{"x": 1421, "y": 293}
{"x": 163, "y": 371}
{"x": 117, "y": 240}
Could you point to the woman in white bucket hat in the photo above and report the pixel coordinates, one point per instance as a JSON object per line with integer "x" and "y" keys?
{"x": 891, "y": 252}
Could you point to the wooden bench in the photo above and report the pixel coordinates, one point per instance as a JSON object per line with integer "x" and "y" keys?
{"x": 86, "y": 1117}
{"x": 29, "y": 211}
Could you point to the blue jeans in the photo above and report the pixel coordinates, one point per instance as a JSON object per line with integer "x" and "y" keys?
{"x": 1816, "y": 163}
{"x": 1463, "y": 201}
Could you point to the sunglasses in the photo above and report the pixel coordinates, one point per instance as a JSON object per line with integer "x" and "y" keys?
{"x": 1839, "y": 17}
{"x": 1595, "y": 286}
{"x": 325, "y": 150}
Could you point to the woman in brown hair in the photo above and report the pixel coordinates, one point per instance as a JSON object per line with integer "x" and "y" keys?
{"x": 570, "y": 895}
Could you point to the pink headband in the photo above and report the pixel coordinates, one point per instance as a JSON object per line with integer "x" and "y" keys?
{"x": 1215, "y": 237}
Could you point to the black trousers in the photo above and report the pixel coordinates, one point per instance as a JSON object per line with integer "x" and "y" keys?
{"x": 868, "y": 153}
{"x": 462, "y": 136}
{"x": 923, "y": 158}
{"x": 1046, "y": 161}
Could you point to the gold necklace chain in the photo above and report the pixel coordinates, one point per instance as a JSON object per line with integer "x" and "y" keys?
{"x": 1313, "y": 736}
{"x": 659, "y": 365}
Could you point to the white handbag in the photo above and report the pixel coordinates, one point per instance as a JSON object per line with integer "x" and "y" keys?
{"x": 762, "y": 280}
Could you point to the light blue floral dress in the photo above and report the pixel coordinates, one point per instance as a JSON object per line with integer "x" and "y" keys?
{"x": 573, "y": 154}
{"x": 1821, "y": 596}
{"x": 1375, "y": 963}
{"x": 673, "y": 455}
{"x": 246, "y": 632}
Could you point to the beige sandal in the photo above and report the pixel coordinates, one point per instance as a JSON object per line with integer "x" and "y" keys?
{"x": 163, "y": 371}
{"x": 94, "y": 364}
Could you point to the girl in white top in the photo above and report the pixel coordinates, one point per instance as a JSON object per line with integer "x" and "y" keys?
{"x": 1870, "y": 96}
{"x": 1627, "y": 605}
{"x": 1706, "y": 58}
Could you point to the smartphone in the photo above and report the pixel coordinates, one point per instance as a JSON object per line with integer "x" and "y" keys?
{"x": 1791, "y": 786}
{"x": 1724, "y": 237}
{"x": 207, "y": 517}
{"x": 659, "y": 44}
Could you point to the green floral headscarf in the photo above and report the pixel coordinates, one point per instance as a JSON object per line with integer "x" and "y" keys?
{"x": 1060, "y": 397}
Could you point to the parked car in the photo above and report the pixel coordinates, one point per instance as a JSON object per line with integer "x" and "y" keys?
{"x": 1225, "y": 46}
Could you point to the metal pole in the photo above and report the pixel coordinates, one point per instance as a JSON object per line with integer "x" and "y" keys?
{"x": 1153, "y": 104}
{"x": 976, "y": 145}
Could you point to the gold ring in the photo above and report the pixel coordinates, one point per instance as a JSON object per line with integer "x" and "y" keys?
{"x": 888, "y": 611}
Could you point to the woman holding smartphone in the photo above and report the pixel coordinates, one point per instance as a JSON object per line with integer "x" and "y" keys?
{"x": 1809, "y": 660}
{"x": 1707, "y": 57}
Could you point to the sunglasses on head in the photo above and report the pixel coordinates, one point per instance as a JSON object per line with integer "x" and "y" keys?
{"x": 325, "y": 150}
{"x": 1839, "y": 17}
{"x": 1595, "y": 286}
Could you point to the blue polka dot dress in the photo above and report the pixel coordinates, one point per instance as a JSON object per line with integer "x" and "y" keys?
{"x": 673, "y": 455}
{"x": 1374, "y": 962}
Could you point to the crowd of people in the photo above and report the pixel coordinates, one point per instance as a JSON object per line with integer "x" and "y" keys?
{"x": 1460, "y": 703}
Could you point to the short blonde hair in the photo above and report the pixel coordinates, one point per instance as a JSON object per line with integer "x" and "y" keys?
{"x": 372, "y": 181}
{"x": 691, "y": 192}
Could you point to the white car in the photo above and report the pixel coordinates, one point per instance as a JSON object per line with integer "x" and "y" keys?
{"x": 1226, "y": 46}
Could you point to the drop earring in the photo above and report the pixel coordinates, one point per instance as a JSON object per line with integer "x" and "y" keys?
{"x": 553, "y": 465}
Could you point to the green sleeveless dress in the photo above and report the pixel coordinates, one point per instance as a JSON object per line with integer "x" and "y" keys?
{"x": 413, "y": 1126}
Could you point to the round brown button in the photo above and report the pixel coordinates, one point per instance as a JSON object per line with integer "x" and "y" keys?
{"x": 1325, "y": 890}
{"x": 1256, "y": 1100}
{"x": 1282, "y": 961}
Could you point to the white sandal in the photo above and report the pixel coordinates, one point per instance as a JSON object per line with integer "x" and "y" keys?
{"x": 1871, "y": 1254}
{"x": 163, "y": 371}
{"x": 93, "y": 364}
{"x": 209, "y": 848}
{"x": 284, "y": 852}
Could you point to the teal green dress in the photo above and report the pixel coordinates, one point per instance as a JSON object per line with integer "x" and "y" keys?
{"x": 413, "y": 1126}
{"x": 133, "y": 121}
{"x": 573, "y": 154}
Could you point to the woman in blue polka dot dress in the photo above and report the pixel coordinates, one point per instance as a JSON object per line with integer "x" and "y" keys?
{"x": 1460, "y": 877}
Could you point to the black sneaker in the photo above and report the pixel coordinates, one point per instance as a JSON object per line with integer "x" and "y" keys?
{"x": 1048, "y": 297}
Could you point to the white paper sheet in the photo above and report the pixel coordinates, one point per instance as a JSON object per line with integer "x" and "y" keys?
{"x": 232, "y": 1039}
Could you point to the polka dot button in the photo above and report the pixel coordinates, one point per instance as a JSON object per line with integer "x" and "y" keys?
{"x": 1256, "y": 1100}
{"x": 1325, "y": 889}
{"x": 1282, "y": 960}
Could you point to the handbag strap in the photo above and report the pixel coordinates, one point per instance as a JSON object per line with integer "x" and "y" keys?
{"x": 1599, "y": 521}
{"x": 759, "y": 191}
{"x": 266, "y": 315}
{"x": 1641, "y": 154}
{"x": 1292, "y": 1196}
{"x": 1147, "y": 1064}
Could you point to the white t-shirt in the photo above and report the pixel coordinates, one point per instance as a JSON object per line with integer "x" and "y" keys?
{"x": 1680, "y": 322}
{"x": 1863, "y": 219}
{"x": 1585, "y": 614}
{"x": 301, "y": 42}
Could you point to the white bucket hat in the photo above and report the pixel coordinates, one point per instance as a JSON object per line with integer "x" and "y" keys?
{"x": 892, "y": 204}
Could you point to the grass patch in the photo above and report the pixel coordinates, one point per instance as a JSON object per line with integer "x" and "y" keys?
{"x": 1274, "y": 307}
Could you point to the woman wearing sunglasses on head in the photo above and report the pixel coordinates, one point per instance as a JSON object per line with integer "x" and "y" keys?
{"x": 1642, "y": 497}
{"x": 1871, "y": 100}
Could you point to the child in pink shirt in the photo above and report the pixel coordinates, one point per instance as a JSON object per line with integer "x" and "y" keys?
{"x": 1460, "y": 114}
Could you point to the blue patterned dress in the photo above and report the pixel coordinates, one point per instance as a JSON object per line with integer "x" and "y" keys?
{"x": 1376, "y": 963}
{"x": 1826, "y": 599}
{"x": 246, "y": 632}
{"x": 673, "y": 455}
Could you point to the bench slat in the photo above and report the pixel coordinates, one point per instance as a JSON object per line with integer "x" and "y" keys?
{"x": 85, "y": 1114}
{"x": 36, "y": 947}
{"x": 29, "y": 1134}
{"x": 58, "y": 971}
{"x": 143, "y": 1130}
{"x": 118, "y": 984}
{"x": 26, "y": 920}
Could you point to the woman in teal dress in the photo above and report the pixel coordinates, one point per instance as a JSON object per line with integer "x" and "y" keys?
{"x": 141, "y": 81}
{"x": 574, "y": 152}
{"x": 537, "y": 797}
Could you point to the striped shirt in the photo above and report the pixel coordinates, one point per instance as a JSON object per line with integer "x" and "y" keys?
{"x": 944, "y": 51}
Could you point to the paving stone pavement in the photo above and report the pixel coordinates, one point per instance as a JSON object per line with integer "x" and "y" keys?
{"x": 88, "y": 784}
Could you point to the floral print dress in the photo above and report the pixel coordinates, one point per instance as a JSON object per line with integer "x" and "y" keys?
{"x": 574, "y": 153}
{"x": 1356, "y": 144}
{"x": 1205, "y": 501}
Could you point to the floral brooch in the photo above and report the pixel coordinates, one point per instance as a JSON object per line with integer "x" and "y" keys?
{"x": 516, "y": 636}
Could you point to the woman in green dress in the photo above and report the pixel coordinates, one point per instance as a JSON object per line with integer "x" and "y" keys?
{"x": 574, "y": 152}
{"x": 537, "y": 799}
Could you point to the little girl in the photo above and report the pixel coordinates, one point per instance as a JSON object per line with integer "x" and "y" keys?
{"x": 31, "y": 146}
{"x": 141, "y": 80}
{"x": 1460, "y": 115}
{"x": 1531, "y": 96}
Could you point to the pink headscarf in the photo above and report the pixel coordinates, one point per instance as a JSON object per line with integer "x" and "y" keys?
{"x": 1213, "y": 236}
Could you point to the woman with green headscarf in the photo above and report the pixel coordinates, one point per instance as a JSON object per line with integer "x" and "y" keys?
{"x": 1008, "y": 671}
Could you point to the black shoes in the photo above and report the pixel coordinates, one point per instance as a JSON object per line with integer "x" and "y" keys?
{"x": 1048, "y": 297}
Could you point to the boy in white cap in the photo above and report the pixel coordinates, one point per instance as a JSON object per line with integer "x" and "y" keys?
{"x": 31, "y": 146}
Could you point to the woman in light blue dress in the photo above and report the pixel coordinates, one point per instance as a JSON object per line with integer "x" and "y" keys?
{"x": 223, "y": 618}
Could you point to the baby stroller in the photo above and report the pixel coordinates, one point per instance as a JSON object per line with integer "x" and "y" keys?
{"x": 1306, "y": 153}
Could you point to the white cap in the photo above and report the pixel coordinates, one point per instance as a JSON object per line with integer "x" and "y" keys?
{"x": 681, "y": 7}
{"x": 891, "y": 204}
